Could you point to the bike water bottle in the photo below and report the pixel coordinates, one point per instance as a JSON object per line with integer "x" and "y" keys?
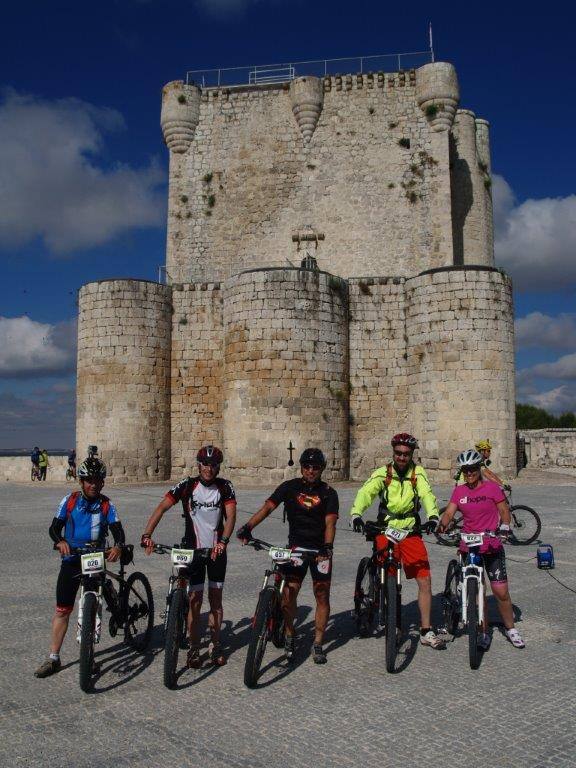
{"x": 545, "y": 557}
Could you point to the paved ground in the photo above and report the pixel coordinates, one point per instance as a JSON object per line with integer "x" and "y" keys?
{"x": 518, "y": 709}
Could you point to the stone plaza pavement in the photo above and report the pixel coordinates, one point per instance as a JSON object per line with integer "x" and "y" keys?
{"x": 518, "y": 709}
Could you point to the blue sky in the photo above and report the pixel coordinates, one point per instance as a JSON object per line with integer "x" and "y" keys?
{"x": 83, "y": 167}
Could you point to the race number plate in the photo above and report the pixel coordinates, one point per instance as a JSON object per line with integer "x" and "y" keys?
{"x": 396, "y": 534}
{"x": 92, "y": 562}
{"x": 472, "y": 539}
{"x": 279, "y": 554}
{"x": 182, "y": 556}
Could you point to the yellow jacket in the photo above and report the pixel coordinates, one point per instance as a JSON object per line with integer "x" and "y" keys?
{"x": 398, "y": 497}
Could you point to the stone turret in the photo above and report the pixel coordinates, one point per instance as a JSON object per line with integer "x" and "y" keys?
{"x": 180, "y": 114}
{"x": 307, "y": 97}
{"x": 438, "y": 94}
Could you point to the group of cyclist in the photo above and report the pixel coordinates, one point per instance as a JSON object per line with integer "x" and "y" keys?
{"x": 312, "y": 508}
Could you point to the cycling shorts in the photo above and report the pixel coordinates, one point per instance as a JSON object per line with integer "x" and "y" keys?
{"x": 495, "y": 566}
{"x": 321, "y": 572}
{"x": 412, "y": 554}
{"x": 68, "y": 584}
{"x": 202, "y": 566}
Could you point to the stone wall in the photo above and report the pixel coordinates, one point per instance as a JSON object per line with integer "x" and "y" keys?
{"x": 286, "y": 371}
{"x": 360, "y": 161}
{"x": 461, "y": 363}
{"x": 197, "y": 371}
{"x": 550, "y": 447}
{"x": 123, "y": 389}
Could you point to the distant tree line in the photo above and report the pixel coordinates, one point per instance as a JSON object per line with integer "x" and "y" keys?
{"x": 530, "y": 417}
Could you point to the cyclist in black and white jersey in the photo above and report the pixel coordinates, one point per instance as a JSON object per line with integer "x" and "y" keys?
{"x": 209, "y": 505}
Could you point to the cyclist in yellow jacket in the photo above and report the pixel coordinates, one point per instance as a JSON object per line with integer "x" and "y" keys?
{"x": 402, "y": 486}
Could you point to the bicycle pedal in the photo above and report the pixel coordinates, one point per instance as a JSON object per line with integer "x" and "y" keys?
{"x": 163, "y": 614}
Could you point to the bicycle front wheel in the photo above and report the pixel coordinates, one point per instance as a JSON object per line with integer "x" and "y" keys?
{"x": 392, "y": 612}
{"x": 259, "y": 637}
{"x": 138, "y": 611}
{"x": 455, "y": 527}
{"x": 526, "y": 524}
{"x": 364, "y": 594}
{"x": 87, "y": 639}
{"x": 175, "y": 629}
{"x": 451, "y": 597}
{"x": 278, "y": 624}
{"x": 473, "y": 629}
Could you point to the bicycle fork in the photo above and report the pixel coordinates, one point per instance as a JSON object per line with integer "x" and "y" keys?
{"x": 98, "y": 627}
{"x": 476, "y": 573}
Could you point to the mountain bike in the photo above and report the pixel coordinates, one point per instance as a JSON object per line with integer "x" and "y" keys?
{"x": 35, "y": 472}
{"x": 525, "y": 524}
{"x": 131, "y": 606}
{"x": 268, "y": 620}
{"x": 177, "y": 604}
{"x": 70, "y": 473}
{"x": 378, "y": 588}
{"x": 463, "y": 599}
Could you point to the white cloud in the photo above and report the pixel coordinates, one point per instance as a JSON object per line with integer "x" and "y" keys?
{"x": 29, "y": 349}
{"x": 558, "y": 400}
{"x": 538, "y": 330}
{"x": 52, "y": 185}
{"x": 536, "y": 240}
{"x": 563, "y": 368}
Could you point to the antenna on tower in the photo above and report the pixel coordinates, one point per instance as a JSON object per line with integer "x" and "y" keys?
{"x": 431, "y": 41}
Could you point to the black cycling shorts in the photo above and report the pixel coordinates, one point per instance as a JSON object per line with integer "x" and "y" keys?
{"x": 318, "y": 571}
{"x": 68, "y": 584}
{"x": 495, "y": 566}
{"x": 203, "y": 565}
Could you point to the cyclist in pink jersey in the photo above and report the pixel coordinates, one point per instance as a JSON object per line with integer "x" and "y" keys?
{"x": 484, "y": 508}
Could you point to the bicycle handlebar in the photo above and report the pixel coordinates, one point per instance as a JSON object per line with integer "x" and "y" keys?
{"x": 259, "y": 544}
{"x": 165, "y": 549}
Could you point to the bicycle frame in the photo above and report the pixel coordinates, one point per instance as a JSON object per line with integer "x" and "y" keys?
{"x": 473, "y": 568}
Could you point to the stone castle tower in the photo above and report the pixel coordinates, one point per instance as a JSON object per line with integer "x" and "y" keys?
{"x": 330, "y": 281}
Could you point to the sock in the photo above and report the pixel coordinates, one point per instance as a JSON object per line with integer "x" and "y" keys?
{"x": 54, "y": 656}
{"x": 423, "y": 630}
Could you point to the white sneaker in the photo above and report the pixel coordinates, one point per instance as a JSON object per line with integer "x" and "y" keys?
{"x": 484, "y": 641}
{"x": 515, "y": 638}
{"x": 433, "y": 640}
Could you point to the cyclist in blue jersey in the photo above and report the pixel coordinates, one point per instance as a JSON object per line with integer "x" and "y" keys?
{"x": 83, "y": 517}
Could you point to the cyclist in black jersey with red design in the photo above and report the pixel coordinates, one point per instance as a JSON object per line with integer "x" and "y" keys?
{"x": 311, "y": 507}
{"x": 209, "y": 505}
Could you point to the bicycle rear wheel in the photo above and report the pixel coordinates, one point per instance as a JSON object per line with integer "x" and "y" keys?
{"x": 451, "y": 597}
{"x": 364, "y": 597}
{"x": 455, "y": 526}
{"x": 138, "y": 611}
{"x": 472, "y": 611}
{"x": 175, "y": 629}
{"x": 526, "y": 524}
{"x": 87, "y": 639}
{"x": 259, "y": 637}
{"x": 390, "y": 590}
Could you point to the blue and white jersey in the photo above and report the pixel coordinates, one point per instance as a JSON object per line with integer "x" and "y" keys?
{"x": 86, "y": 521}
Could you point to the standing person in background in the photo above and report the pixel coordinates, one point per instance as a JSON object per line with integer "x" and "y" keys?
{"x": 35, "y": 459}
{"x": 72, "y": 462}
{"x": 43, "y": 463}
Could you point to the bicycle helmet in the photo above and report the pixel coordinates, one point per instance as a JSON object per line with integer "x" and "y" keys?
{"x": 483, "y": 445}
{"x": 210, "y": 455}
{"x": 403, "y": 438}
{"x": 313, "y": 456}
{"x": 469, "y": 458}
{"x": 92, "y": 467}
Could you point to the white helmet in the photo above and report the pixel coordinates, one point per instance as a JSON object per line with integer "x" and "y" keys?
{"x": 469, "y": 458}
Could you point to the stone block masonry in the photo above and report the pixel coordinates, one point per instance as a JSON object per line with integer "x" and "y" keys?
{"x": 331, "y": 281}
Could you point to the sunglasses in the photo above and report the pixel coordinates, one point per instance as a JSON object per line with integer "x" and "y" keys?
{"x": 470, "y": 470}
{"x": 215, "y": 466}
{"x": 311, "y": 466}
{"x": 402, "y": 453}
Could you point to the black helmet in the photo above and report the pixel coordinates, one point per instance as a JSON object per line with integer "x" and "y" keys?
{"x": 313, "y": 456}
{"x": 92, "y": 467}
{"x": 210, "y": 455}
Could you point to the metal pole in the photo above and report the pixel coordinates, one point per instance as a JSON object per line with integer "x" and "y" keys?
{"x": 431, "y": 43}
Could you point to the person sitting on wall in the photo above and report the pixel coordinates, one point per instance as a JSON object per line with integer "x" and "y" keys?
{"x": 83, "y": 517}
{"x": 402, "y": 485}
{"x": 209, "y": 505}
{"x": 311, "y": 506}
